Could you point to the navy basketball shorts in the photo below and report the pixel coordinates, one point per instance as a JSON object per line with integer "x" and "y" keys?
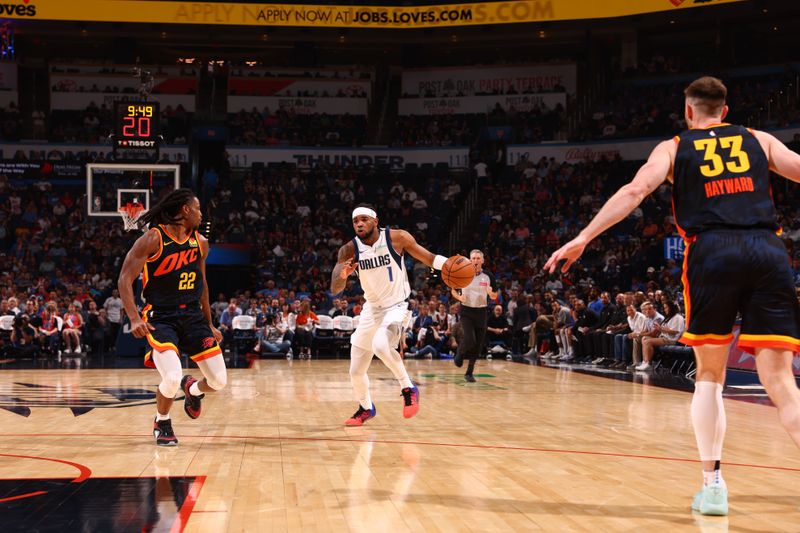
{"x": 746, "y": 272}
{"x": 182, "y": 329}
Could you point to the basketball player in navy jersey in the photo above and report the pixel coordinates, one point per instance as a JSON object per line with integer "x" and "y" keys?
{"x": 734, "y": 263}
{"x": 171, "y": 257}
{"x": 377, "y": 253}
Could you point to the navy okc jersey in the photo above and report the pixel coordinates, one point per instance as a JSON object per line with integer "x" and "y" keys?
{"x": 721, "y": 180}
{"x": 172, "y": 277}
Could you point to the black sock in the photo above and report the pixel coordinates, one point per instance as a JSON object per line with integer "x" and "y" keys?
{"x": 716, "y": 465}
{"x": 471, "y": 366}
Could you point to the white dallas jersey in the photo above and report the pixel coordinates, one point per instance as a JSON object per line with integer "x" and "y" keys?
{"x": 381, "y": 271}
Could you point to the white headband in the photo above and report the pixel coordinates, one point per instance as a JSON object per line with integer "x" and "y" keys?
{"x": 364, "y": 211}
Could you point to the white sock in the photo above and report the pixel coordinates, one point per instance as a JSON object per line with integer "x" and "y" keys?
{"x": 194, "y": 390}
{"x": 384, "y": 349}
{"x": 366, "y": 403}
{"x": 160, "y": 417}
{"x": 714, "y": 477}
{"x": 709, "y": 421}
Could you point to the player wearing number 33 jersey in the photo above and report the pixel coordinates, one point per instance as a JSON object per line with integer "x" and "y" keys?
{"x": 734, "y": 263}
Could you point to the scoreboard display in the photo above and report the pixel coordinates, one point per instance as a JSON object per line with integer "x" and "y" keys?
{"x": 136, "y": 125}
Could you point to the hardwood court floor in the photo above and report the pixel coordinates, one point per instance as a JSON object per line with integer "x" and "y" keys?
{"x": 527, "y": 448}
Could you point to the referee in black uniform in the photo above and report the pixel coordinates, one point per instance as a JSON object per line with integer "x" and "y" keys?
{"x": 473, "y": 313}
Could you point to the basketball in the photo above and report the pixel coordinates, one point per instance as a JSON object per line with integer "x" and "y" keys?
{"x": 458, "y": 272}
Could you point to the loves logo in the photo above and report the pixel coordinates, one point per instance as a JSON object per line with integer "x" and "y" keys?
{"x": 176, "y": 261}
{"x": 25, "y": 9}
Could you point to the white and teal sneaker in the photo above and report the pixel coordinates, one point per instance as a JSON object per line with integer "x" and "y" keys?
{"x": 711, "y": 500}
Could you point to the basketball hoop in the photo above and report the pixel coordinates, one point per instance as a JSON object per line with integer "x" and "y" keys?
{"x": 130, "y": 214}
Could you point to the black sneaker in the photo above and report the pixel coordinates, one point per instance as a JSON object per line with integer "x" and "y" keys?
{"x": 191, "y": 404}
{"x": 162, "y": 431}
{"x": 458, "y": 359}
{"x": 470, "y": 378}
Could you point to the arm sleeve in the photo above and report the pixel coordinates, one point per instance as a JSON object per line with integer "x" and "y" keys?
{"x": 492, "y": 282}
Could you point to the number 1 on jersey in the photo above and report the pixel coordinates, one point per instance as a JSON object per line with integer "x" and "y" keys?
{"x": 391, "y": 278}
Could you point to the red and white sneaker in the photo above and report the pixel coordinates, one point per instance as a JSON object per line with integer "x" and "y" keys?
{"x": 162, "y": 431}
{"x": 361, "y": 416}
{"x": 191, "y": 404}
{"x": 411, "y": 401}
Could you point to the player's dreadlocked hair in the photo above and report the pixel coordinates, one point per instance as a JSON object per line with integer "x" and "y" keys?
{"x": 167, "y": 211}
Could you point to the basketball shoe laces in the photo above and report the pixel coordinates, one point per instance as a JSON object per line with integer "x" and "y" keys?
{"x": 165, "y": 427}
{"x": 360, "y": 414}
{"x": 407, "y": 396}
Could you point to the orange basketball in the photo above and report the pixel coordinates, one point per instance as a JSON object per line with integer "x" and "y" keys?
{"x": 458, "y": 272}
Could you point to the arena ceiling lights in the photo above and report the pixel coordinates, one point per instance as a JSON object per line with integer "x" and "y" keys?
{"x": 332, "y": 16}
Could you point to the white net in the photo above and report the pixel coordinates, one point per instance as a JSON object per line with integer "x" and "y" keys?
{"x": 130, "y": 214}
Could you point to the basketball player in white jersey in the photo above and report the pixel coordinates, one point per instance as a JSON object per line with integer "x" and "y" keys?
{"x": 377, "y": 253}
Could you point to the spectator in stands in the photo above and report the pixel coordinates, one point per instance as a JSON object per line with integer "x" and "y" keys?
{"x": 498, "y": 332}
{"x": 272, "y": 340}
{"x": 305, "y": 321}
{"x": 97, "y": 328}
{"x": 585, "y": 320}
{"x": 596, "y": 334}
{"x": 637, "y": 323}
{"x": 429, "y": 340}
{"x": 652, "y": 320}
{"x": 521, "y": 319}
{"x": 113, "y": 307}
{"x": 226, "y": 321}
{"x": 72, "y": 330}
{"x": 218, "y": 307}
{"x": 668, "y": 332}
{"x": 48, "y": 334}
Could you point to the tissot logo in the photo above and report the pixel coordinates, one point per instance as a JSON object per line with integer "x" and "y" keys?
{"x": 24, "y": 9}
{"x": 19, "y": 398}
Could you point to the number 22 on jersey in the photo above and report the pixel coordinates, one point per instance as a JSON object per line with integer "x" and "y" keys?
{"x": 186, "y": 281}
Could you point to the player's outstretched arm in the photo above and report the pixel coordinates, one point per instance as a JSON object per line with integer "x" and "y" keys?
{"x": 403, "y": 242}
{"x": 144, "y": 247}
{"x": 204, "y": 303}
{"x": 343, "y": 268}
{"x": 781, "y": 160}
{"x": 647, "y": 179}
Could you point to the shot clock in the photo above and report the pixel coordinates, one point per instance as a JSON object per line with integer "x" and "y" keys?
{"x": 136, "y": 125}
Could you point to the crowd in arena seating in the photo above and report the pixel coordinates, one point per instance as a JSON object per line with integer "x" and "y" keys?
{"x": 524, "y": 127}
{"x": 655, "y": 109}
{"x": 54, "y": 257}
{"x": 282, "y": 127}
{"x": 510, "y": 90}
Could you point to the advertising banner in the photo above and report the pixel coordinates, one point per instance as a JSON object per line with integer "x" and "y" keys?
{"x": 396, "y": 158}
{"x": 345, "y": 16}
{"x": 75, "y": 152}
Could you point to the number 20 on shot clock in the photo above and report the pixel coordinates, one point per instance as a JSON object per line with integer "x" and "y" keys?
{"x": 136, "y": 125}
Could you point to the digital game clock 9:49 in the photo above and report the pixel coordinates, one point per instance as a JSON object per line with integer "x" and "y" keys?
{"x": 136, "y": 125}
